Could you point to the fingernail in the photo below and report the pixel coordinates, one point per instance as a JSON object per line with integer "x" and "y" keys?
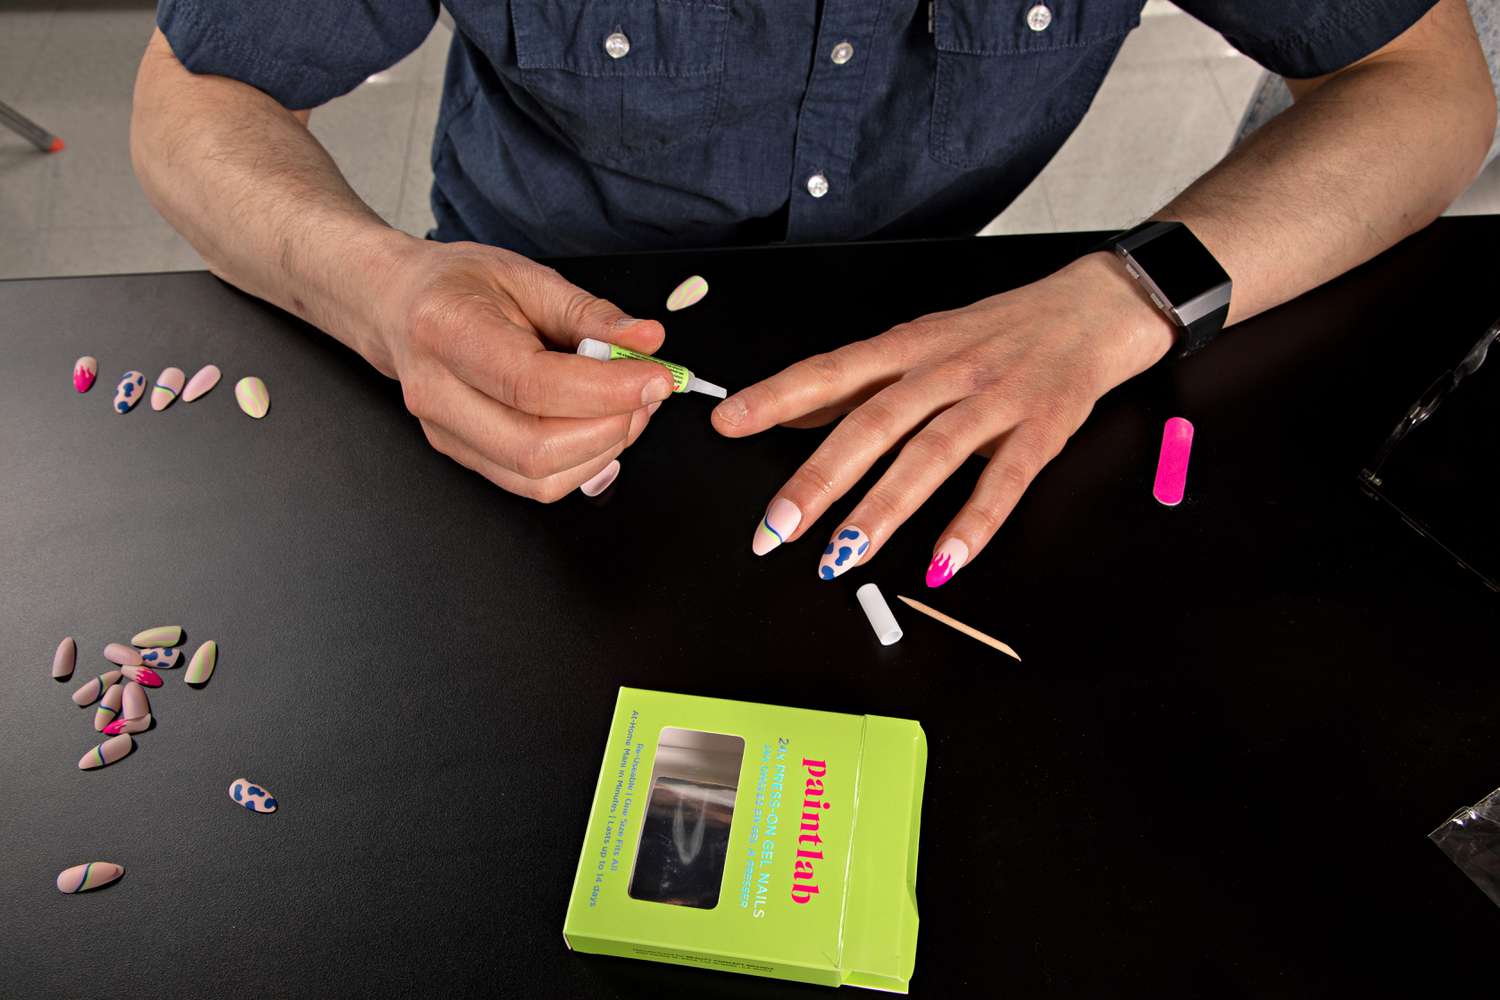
{"x": 107, "y": 752}
{"x": 843, "y": 552}
{"x": 252, "y": 796}
{"x": 623, "y": 322}
{"x": 653, "y": 408}
{"x": 781, "y": 519}
{"x": 949, "y": 559}
{"x": 161, "y": 658}
{"x": 109, "y": 707}
{"x": 121, "y": 654}
{"x": 655, "y": 391}
{"x": 161, "y": 635}
{"x": 601, "y": 482}
{"x": 82, "y": 878}
{"x": 731, "y": 411}
{"x": 89, "y": 691}
{"x": 201, "y": 667}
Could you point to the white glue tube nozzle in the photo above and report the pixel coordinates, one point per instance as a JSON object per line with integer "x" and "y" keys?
{"x": 707, "y": 388}
{"x": 879, "y": 613}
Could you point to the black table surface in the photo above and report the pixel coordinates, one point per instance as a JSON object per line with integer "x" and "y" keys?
{"x": 1213, "y": 774}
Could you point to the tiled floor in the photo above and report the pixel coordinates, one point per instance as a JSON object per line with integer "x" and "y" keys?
{"x": 1167, "y": 111}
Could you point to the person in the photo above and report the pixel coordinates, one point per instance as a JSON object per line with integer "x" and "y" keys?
{"x": 583, "y": 126}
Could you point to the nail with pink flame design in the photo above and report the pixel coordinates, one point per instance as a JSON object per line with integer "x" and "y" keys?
{"x": 949, "y": 559}
{"x": 85, "y": 370}
{"x": 144, "y": 676}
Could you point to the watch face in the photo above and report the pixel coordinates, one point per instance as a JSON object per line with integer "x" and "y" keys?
{"x": 1179, "y": 265}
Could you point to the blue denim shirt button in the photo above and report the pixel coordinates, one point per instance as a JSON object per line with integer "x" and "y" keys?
{"x": 842, "y": 53}
{"x": 1038, "y": 17}
{"x": 617, "y": 45}
{"x": 817, "y": 185}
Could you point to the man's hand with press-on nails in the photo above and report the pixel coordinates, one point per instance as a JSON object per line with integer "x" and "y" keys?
{"x": 1012, "y": 376}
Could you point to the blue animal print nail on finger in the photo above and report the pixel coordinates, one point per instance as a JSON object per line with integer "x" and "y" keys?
{"x": 846, "y": 549}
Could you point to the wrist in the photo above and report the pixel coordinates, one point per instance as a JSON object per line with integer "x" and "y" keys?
{"x": 1137, "y": 333}
{"x": 366, "y": 302}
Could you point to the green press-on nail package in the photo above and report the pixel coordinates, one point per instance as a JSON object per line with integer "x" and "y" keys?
{"x": 750, "y": 838}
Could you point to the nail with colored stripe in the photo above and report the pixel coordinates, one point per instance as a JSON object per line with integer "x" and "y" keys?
{"x": 206, "y": 378}
{"x": 844, "y": 551}
{"x": 109, "y": 706}
{"x": 142, "y": 675}
{"x": 85, "y": 370}
{"x": 82, "y": 878}
{"x": 128, "y": 392}
{"x": 89, "y": 693}
{"x": 168, "y": 385}
{"x": 201, "y": 667}
{"x": 161, "y": 635}
{"x": 780, "y": 520}
{"x": 160, "y": 658}
{"x": 107, "y": 752}
{"x": 947, "y": 560}
{"x": 64, "y": 659}
{"x": 122, "y": 654}
{"x": 250, "y": 392}
{"x": 252, "y": 796}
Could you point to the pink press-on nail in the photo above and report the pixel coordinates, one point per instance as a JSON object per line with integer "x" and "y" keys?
{"x": 1172, "y": 464}
{"x": 601, "y": 481}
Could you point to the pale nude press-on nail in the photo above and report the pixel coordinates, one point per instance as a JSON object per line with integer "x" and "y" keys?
{"x": 119, "y": 653}
{"x": 780, "y": 520}
{"x": 64, "y": 659}
{"x": 1172, "y": 463}
{"x": 879, "y": 614}
{"x": 89, "y": 691}
{"x": 601, "y": 481}
{"x": 134, "y": 703}
{"x": 206, "y": 378}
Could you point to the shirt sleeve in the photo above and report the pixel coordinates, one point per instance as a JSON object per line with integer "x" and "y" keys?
{"x": 1306, "y": 38}
{"x": 302, "y": 54}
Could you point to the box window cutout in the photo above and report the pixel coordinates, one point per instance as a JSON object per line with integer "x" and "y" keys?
{"x": 685, "y": 837}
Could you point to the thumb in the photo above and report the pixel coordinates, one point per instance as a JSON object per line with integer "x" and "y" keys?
{"x": 566, "y": 314}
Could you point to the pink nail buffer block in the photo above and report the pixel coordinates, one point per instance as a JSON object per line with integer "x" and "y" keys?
{"x": 1172, "y": 465}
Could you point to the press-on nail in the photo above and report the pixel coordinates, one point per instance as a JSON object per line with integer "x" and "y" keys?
{"x": 949, "y": 559}
{"x": 107, "y": 752}
{"x": 843, "y": 552}
{"x": 137, "y": 725}
{"x": 161, "y": 635}
{"x": 252, "y": 395}
{"x": 142, "y": 675}
{"x": 203, "y": 380}
{"x": 160, "y": 658}
{"x": 134, "y": 702}
{"x": 122, "y": 654}
{"x": 252, "y": 796}
{"x": 1172, "y": 462}
{"x": 780, "y": 520}
{"x": 82, "y": 878}
{"x": 601, "y": 482}
{"x": 201, "y": 666}
{"x": 109, "y": 706}
{"x": 168, "y": 385}
{"x": 128, "y": 392}
{"x": 89, "y": 691}
{"x": 64, "y": 659}
{"x": 690, "y": 292}
{"x": 85, "y": 370}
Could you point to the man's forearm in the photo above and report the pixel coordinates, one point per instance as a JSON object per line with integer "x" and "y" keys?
{"x": 1363, "y": 159}
{"x": 256, "y": 194}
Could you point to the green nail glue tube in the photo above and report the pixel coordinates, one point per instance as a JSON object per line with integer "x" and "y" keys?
{"x": 682, "y": 379}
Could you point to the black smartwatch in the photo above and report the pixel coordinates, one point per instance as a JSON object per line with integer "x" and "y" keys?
{"x": 1181, "y": 276}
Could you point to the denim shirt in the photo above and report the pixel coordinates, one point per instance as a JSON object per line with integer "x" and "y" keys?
{"x": 585, "y": 126}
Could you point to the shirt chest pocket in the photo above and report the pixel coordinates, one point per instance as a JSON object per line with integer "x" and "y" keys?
{"x": 621, "y": 80}
{"x": 1011, "y": 69}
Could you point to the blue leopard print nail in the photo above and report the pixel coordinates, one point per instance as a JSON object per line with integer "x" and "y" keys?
{"x": 848, "y": 546}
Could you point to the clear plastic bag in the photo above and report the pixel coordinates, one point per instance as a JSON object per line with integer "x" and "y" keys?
{"x": 1471, "y": 838}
